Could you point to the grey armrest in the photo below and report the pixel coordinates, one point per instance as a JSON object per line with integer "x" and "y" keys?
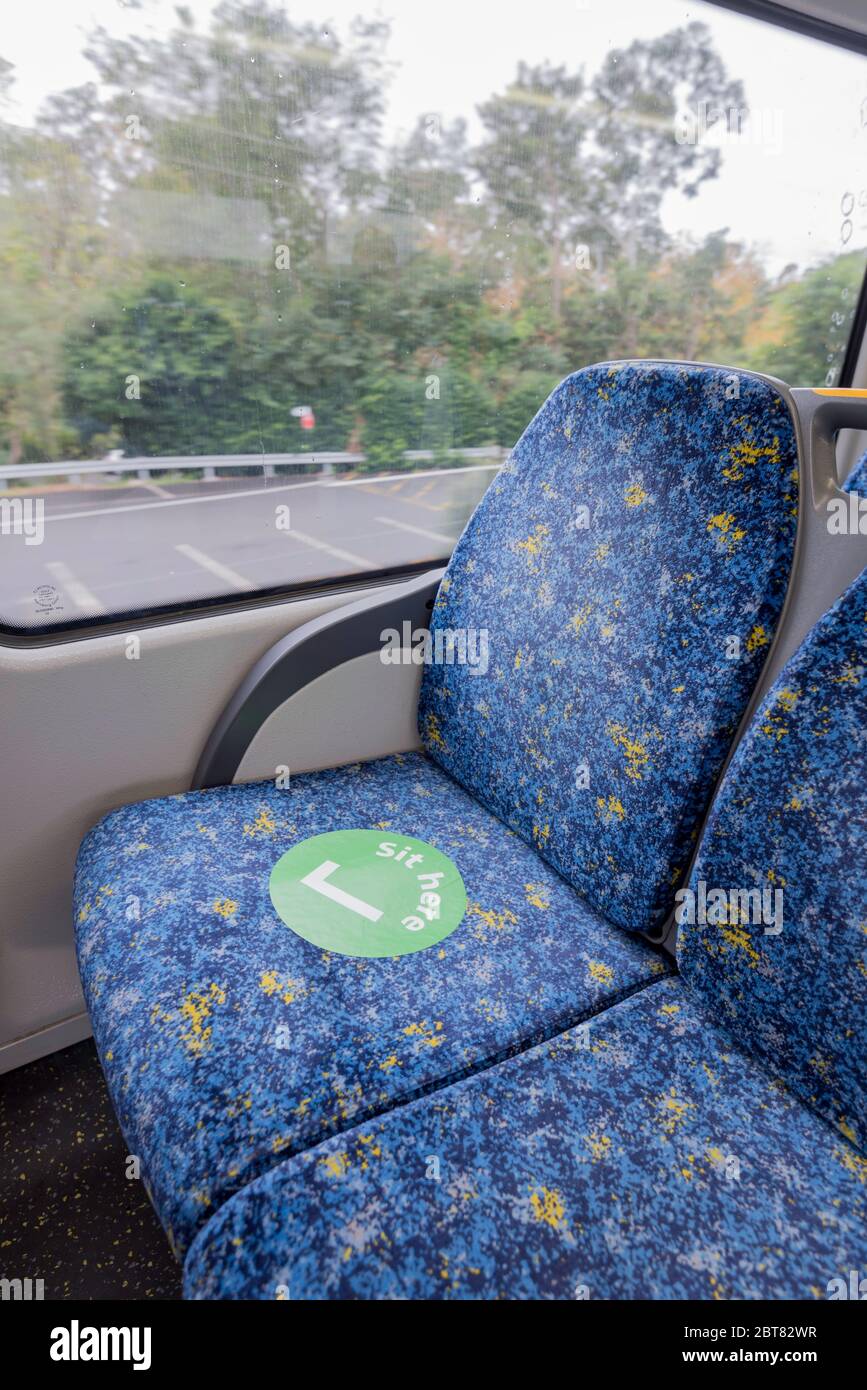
{"x": 298, "y": 659}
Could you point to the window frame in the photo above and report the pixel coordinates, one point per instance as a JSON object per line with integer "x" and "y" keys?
{"x": 811, "y": 26}
{"x": 138, "y": 619}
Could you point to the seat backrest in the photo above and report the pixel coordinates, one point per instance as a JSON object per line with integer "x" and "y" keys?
{"x": 627, "y": 569}
{"x": 790, "y": 822}
{"x": 857, "y": 479}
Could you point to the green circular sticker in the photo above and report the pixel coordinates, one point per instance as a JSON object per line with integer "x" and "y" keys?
{"x": 368, "y": 893}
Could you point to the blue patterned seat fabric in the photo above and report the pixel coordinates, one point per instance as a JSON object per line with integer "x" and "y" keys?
{"x": 705, "y": 1139}
{"x": 791, "y": 816}
{"x": 857, "y": 479}
{"x": 629, "y": 646}
{"x": 228, "y": 1042}
{"x": 625, "y": 639}
{"x": 650, "y": 1160}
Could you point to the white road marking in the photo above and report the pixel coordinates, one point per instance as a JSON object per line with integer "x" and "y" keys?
{"x": 446, "y": 506}
{"x": 347, "y": 557}
{"x": 79, "y": 593}
{"x": 154, "y": 488}
{"x": 222, "y": 571}
{"x": 317, "y": 880}
{"x": 422, "y": 473}
{"x": 416, "y": 530}
{"x": 264, "y": 492}
{"x": 184, "y": 501}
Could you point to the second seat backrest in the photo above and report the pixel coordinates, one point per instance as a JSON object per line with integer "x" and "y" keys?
{"x": 623, "y": 577}
{"x": 788, "y": 976}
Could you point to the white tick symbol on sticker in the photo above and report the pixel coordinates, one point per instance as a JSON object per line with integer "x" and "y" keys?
{"x": 318, "y": 878}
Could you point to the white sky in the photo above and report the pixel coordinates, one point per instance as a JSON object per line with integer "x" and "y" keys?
{"x": 782, "y": 196}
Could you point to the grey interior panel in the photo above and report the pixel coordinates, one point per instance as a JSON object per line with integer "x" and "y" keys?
{"x": 304, "y": 655}
{"x": 86, "y": 729}
{"x": 360, "y": 704}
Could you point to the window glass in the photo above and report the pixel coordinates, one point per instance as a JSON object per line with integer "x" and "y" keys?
{"x": 278, "y": 296}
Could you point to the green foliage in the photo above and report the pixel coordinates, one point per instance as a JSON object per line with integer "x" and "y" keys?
{"x": 806, "y": 322}
{"x": 441, "y": 410}
{"x": 520, "y": 403}
{"x": 247, "y": 246}
{"x": 159, "y": 366}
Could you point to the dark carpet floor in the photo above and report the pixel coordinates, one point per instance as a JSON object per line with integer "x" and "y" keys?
{"x": 69, "y": 1215}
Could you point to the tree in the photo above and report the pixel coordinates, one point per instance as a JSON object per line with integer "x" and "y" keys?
{"x": 531, "y": 161}
{"x": 51, "y": 251}
{"x": 259, "y": 108}
{"x": 802, "y": 332}
{"x": 429, "y": 178}
{"x": 158, "y": 366}
{"x": 430, "y": 294}
{"x": 638, "y": 98}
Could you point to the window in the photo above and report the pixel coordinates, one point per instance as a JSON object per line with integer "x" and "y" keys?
{"x": 278, "y": 298}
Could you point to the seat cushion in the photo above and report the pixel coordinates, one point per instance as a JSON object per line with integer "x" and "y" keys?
{"x": 650, "y": 1160}
{"x": 790, "y": 821}
{"x": 229, "y": 1042}
{"x": 628, "y": 565}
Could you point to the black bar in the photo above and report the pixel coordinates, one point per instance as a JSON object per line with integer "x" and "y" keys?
{"x": 298, "y": 659}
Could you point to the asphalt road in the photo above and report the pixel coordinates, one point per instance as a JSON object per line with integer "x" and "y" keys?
{"x": 112, "y": 549}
